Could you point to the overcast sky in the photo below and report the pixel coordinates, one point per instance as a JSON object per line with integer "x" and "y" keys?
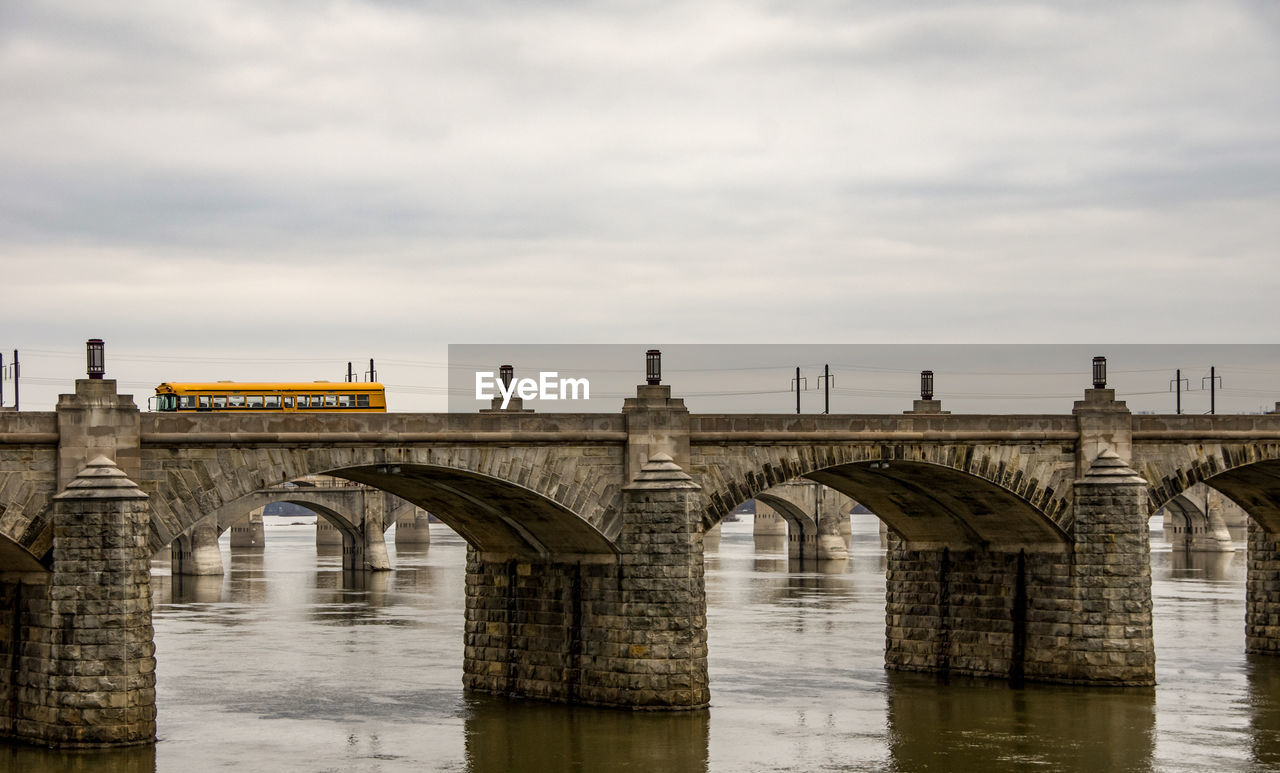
{"x": 270, "y": 189}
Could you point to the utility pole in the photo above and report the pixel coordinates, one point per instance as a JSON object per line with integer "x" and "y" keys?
{"x": 796, "y": 385}
{"x": 1213, "y": 380}
{"x": 827, "y": 380}
{"x": 1176, "y": 386}
{"x": 372, "y": 374}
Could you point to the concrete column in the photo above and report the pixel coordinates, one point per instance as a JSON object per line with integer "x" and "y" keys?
{"x": 831, "y": 542}
{"x": 197, "y": 552}
{"x": 767, "y": 522}
{"x": 373, "y": 531}
{"x": 627, "y": 632}
{"x": 88, "y": 673}
{"x": 413, "y": 528}
{"x": 327, "y": 535}
{"x": 249, "y": 533}
{"x": 1262, "y": 592}
{"x": 1078, "y": 613}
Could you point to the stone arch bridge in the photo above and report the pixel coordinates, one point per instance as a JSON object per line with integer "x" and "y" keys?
{"x": 1018, "y": 543}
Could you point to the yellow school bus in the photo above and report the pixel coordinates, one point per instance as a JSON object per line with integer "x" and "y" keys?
{"x": 233, "y": 397}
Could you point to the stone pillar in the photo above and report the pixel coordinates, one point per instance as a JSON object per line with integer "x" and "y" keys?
{"x": 1262, "y": 592}
{"x": 971, "y": 611}
{"x": 628, "y": 631}
{"x": 373, "y": 531}
{"x": 327, "y": 535}
{"x": 197, "y": 552}
{"x": 88, "y": 674}
{"x": 1109, "y": 639}
{"x": 1078, "y": 613}
{"x": 250, "y": 532}
{"x": 831, "y": 542}
{"x": 413, "y": 529}
{"x": 767, "y": 523}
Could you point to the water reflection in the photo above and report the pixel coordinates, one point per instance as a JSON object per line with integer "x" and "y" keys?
{"x": 988, "y": 726}
{"x": 770, "y": 543}
{"x": 504, "y": 735}
{"x": 187, "y": 589}
{"x": 1264, "y": 711}
{"x": 26, "y": 759}
{"x": 1198, "y": 565}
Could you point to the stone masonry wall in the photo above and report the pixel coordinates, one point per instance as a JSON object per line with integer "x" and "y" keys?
{"x": 629, "y": 632}
{"x": 1081, "y": 614}
{"x": 1262, "y": 592}
{"x": 1111, "y": 641}
{"x": 86, "y": 667}
{"x": 975, "y": 612}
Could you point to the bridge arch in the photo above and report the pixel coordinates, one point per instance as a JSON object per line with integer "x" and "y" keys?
{"x": 530, "y": 516}
{"x": 1246, "y": 473}
{"x": 955, "y": 496}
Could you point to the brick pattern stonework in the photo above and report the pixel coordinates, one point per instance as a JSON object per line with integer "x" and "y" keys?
{"x": 629, "y": 632}
{"x": 87, "y": 660}
{"x": 1262, "y": 592}
{"x": 1082, "y": 614}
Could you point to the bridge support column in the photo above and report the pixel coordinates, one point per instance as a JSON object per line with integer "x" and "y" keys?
{"x": 413, "y": 528}
{"x": 249, "y": 533}
{"x": 1262, "y": 592}
{"x": 87, "y": 673}
{"x": 1078, "y": 614}
{"x": 374, "y": 549}
{"x": 628, "y": 632}
{"x": 327, "y": 535}
{"x": 767, "y": 522}
{"x": 196, "y": 553}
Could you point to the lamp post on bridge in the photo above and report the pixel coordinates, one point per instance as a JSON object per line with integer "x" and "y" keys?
{"x": 653, "y": 367}
{"x": 1099, "y": 372}
{"x": 96, "y": 358}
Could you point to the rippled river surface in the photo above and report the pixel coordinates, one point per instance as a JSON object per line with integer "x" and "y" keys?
{"x": 285, "y": 664}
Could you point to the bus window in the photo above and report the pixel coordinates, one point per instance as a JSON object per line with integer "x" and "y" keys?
{"x": 271, "y": 401}
{"x": 253, "y": 402}
{"x": 187, "y": 402}
{"x": 362, "y": 401}
{"x": 288, "y": 402}
{"x": 331, "y": 401}
{"x": 206, "y": 402}
{"x": 219, "y": 402}
{"x": 317, "y": 401}
{"x": 235, "y": 401}
{"x": 345, "y": 401}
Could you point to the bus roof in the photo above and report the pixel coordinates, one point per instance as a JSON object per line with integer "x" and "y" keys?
{"x": 270, "y": 386}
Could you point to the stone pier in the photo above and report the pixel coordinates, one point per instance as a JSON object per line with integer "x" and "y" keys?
{"x": 1262, "y": 592}
{"x": 627, "y": 631}
{"x": 413, "y": 528}
{"x": 197, "y": 553}
{"x": 1080, "y": 612}
{"x": 86, "y": 675}
{"x": 249, "y": 533}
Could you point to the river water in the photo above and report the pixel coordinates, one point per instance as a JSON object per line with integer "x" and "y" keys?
{"x": 287, "y": 664}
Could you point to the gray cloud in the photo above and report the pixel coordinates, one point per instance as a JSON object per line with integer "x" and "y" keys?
{"x": 387, "y": 175}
